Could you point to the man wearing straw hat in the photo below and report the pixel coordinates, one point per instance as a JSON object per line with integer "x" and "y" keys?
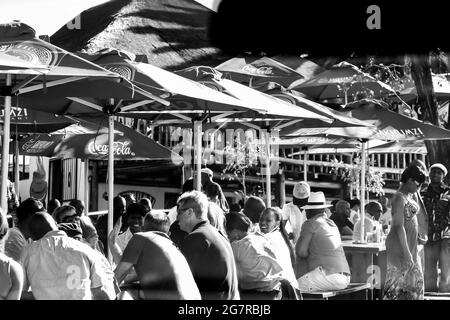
{"x": 320, "y": 245}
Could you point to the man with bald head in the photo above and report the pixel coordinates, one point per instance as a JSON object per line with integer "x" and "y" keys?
{"x": 253, "y": 208}
{"x": 57, "y": 267}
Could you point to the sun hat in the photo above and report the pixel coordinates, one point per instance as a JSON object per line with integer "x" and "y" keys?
{"x": 316, "y": 200}
{"x": 301, "y": 190}
{"x": 441, "y": 167}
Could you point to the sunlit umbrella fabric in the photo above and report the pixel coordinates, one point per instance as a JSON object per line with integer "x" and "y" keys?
{"x": 388, "y": 125}
{"x": 258, "y": 70}
{"x": 329, "y": 84}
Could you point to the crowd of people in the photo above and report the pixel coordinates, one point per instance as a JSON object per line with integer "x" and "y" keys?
{"x": 205, "y": 249}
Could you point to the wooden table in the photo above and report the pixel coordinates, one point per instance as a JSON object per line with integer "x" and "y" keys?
{"x": 367, "y": 263}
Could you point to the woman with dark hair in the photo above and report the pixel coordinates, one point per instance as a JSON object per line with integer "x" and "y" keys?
{"x": 404, "y": 277}
{"x": 215, "y": 194}
{"x": 270, "y": 225}
{"x": 11, "y": 272}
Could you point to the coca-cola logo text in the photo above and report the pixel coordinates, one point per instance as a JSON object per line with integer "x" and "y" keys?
{"x": 119, "y": 148}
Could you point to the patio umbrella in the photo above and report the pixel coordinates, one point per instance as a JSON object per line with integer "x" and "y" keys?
{"x": 24, "y": 121}
{"x": 12, "y": 65}
{"x": 257, "y": 70}
{"x": 18, "y": 40}
{"x": 341, "y": 81}
{"x": 36, "y": 13}
{"x": 88, "y": 139}
{"x": 387, "y": 125}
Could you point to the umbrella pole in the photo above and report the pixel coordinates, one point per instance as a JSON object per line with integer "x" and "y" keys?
{"x": 268, "y": 182}
{"x": 198, "y": 154}
{"x": 5, "y": 149}
{"x": 110, "y": 177}
{"x": 86, "y": 185}
{"x": 16, "y": 164}
{"x": 363, "y": 188}
{"x": 305, "y": 164}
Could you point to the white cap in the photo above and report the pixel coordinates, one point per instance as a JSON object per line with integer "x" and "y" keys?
{"x": 207, "y": 171}
{"x": 301, "y": 190}
{"x": 441, "y": 167}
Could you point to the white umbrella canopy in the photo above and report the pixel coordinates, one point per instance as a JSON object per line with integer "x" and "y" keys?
{"x": 386, "y": 125}
{"x": 47, "y": 16}
{"x": 12, "y": 65}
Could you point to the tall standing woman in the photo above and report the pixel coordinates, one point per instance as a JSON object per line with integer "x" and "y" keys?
{"x": 404, "y": 278}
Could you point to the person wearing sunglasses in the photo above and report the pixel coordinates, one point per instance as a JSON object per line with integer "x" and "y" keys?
{"x": 66, "y": 214}
{"x": 404, "y": 276}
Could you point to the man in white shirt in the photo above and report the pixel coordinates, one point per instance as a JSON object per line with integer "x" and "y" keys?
{"x": 373, "y": 212}
{"x": 57, "y": 267}
{"x": 293, "y": 215}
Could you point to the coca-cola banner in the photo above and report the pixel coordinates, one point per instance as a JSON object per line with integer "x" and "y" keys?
{"x": 128, "y": 145}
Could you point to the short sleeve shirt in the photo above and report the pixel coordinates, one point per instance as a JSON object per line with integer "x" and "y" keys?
{"x": 325, "y": 248}
{"x": 160, "y": 267}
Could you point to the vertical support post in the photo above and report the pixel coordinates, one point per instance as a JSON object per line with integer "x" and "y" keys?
{"x": 305, "y": 164}
{"x": 16, "y": 165}
{"x": 110, "y": 177}
{"x": 86, "y": 184}
{"x": 363, "y": 188}
{"x": 198, "y": 154}
{"x": 268, "y": 180}
{"x": 5, "y": 150}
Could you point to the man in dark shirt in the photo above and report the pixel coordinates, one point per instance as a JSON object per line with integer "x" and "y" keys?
{"x": 207, "y": 251}
{"x": 437, "y": 249}
{"x": 341, "y": 218}
{"x": 162, "y": 269}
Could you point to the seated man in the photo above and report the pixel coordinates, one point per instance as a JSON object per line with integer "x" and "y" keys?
{"x": 341, "y": 217}
{"x": 257, "y": 266}
{"x": 320, "y": 245}
{"x": 19, "y": 236}
{"x": 253, "y": 208}
{"x": 89, "y": 232}
{"x": 273, "y": 230}
{"x": 135, "y": 220}
{"x": 57, "y": 267}
{"x": 162, "y": 270}
{"x": 373, "y": 212}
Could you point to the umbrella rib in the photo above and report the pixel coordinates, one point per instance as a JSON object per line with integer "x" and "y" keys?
{"x": 86, "y": 103}
{"x": 220, "y": 116}
{"x": 49, "y": 84}
{"x": 23, "y": 83}
{"x": 137, "y": 104}
{"x": 182, "y": 117}
{"x": 152, "y": 96}
{"x": 281, "y": 126}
